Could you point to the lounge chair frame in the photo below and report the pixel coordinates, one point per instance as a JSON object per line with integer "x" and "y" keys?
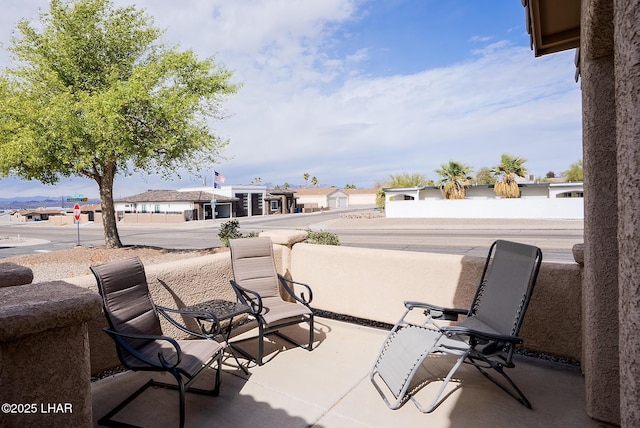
{"x": 473, "y": 341}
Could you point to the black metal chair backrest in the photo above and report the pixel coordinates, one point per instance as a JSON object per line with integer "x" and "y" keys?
{"x": 126, "y": 300}
{"x": 506, "y": 286}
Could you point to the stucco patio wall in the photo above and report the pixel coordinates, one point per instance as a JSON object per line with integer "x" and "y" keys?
{"x": 365, "y": 283}
{"x": 44, "y": 355}
{"x": 373, "y": 284}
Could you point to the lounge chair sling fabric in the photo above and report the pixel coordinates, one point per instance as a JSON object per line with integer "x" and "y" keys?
{"x": 257, "y": 284}
{"x": 135, "y": 327}
{"x": 486, "y": 338}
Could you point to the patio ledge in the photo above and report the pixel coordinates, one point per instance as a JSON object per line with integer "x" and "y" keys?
{"x": 34, "y": 308}
{"x": 12, "y": 274}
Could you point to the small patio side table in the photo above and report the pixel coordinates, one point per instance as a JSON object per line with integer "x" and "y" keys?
{"x": 224, "y": 310}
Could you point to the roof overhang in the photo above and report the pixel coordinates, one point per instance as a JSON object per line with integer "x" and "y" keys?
{"x": 554, "y": 25}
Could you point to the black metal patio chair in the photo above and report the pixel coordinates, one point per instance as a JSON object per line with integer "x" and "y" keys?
{"x": 256, "y": 284}
{"x": 134, "y": 325}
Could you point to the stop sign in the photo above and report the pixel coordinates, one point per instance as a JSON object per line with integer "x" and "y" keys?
{"x": 76, "y": 212}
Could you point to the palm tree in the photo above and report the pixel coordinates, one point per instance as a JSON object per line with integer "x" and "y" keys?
{"x": 455, "y": 179}
{"x": 510, "y": 167}
{"x": 306, "y": 178}
{"x": 314, "y": 181}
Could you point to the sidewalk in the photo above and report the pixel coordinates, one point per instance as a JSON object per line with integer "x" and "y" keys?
{"x": 329, "y": 388}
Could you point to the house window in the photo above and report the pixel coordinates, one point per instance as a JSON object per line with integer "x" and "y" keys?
{"x": 156, "y": 209}
{"x": 143, "y": 208}
{"x": 274, "y": 205}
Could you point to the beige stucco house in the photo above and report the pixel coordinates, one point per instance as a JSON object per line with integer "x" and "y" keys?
{"x": 332, "y": 197}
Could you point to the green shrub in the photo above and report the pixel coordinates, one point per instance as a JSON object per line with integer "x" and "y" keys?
{"x": 322, "y": 238}
{"x": 229, "y": 230}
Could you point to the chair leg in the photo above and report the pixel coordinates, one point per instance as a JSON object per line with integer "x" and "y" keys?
{"x": 260, "y": 344}
{"x": 437, "y": 400}
{"x": 106, "y": 419}
{"x": 182, "y": 393}
{"x": 515, "y": 392}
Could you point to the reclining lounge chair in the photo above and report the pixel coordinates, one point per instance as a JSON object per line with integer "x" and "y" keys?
{"x": 486, "y": 338}
{"x": 134, "y": 325}
{"x": 256, "y": 284}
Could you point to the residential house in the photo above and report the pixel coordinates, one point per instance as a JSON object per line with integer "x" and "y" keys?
{"x": 281, "y": 202}
{"x": 537, "y": 200}
{"x": 332, "y": 197}
{"x": 173, "y": 206}
{"x": 24, "y": 216}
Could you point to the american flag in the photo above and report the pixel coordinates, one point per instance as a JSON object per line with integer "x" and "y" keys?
{"x": 219, "y": 177}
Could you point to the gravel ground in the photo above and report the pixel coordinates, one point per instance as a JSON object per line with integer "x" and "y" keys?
{"x": 75, "y": 261}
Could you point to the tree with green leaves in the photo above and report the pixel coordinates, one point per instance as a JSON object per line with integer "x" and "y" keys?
{"x": 405, "y": 180}
{"x": 314, "y": 181}
{"x": 306, "y": 178}
{"x": 509, "y": 168}
{"x": 575, "y": 173}
{"x": 94, "y": 93}
{"x": 455, "y": 178}
{"x": 397, "y": 181}
{"x": 484, "y": 176}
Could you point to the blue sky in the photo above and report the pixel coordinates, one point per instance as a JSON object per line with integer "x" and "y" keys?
{"x": 352, "y": 91}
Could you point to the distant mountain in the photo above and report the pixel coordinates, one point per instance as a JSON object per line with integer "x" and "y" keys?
{"x": 29, "y": 202}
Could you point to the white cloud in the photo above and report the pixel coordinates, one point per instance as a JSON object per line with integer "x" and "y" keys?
{"x": 306, "y": 106}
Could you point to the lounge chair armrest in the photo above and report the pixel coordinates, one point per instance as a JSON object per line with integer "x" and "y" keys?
{"x": 302, "y": 299}
{"x": 248, "y": 297}
{"x": 161, "y": 363}
{"x": 464, "y": 331}
{"x": 199, "y": 316}
{"x": 437, "y": 312}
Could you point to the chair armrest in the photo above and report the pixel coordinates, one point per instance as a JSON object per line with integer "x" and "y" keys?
{"x": 437, "y": 312}
{"x": 302, "y": 299}
{"x": 244, "y": 295}
{"x": 162, "y": 363}
{"x": 199, "y": 316}
{"x": 456, "y": 330}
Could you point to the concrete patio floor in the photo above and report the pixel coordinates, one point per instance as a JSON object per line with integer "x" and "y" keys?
{"x": 329, "y": 387}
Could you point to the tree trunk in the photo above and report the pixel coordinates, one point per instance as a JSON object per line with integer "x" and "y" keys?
{"x": 105, "y": 184}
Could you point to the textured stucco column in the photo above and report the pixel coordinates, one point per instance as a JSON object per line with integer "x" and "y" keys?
{"x": 600, "y": 275}
{"x": 44, "y": 355}
{"x": 627, "y": 63}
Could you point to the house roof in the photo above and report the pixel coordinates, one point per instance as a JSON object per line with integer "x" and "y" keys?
{"x": 360, "y": 191}
{"x": 176, "y": 196}
{"x": 91, "y": 207}
{"x": 554, "y": 25}
{"x": 39, "y": 212}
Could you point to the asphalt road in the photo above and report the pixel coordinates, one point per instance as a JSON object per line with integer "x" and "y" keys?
{"x": 465, "y": 237}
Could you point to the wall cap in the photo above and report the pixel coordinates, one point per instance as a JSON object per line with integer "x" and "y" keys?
{"x": 31, "y": 309}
